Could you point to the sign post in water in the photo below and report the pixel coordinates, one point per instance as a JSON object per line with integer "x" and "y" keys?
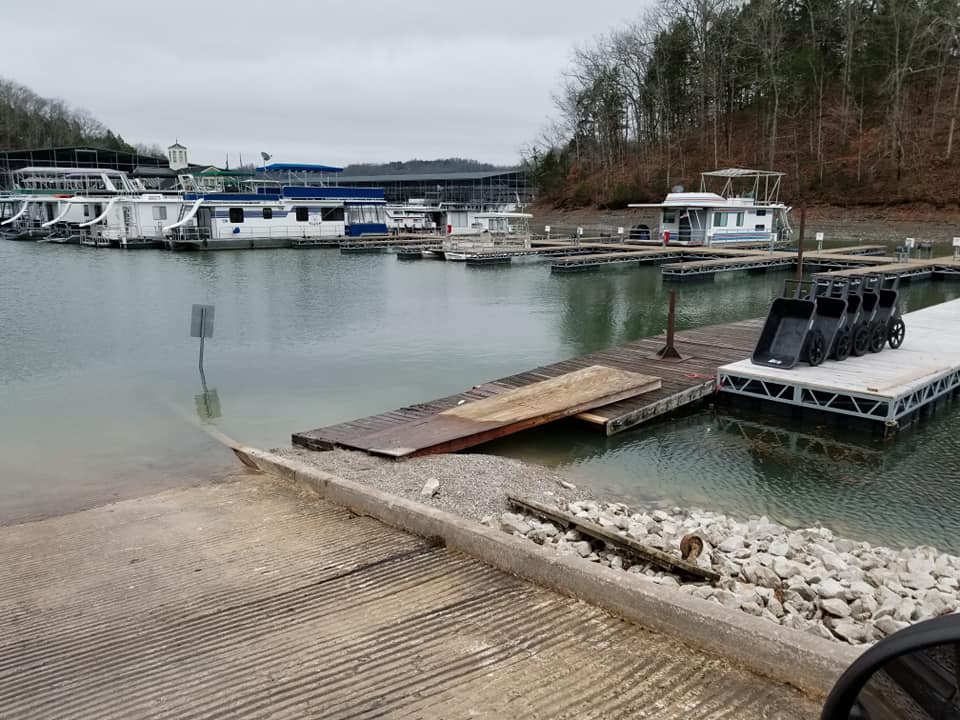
{"x": 201, "y": 326}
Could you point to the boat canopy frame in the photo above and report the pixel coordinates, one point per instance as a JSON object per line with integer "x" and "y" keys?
{"x": 764, "y": 184}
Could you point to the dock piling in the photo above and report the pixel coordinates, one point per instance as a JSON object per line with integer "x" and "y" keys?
{"x": 668, "y": 351}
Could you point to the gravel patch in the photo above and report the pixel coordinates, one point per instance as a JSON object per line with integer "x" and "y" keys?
{"x": 470, "y": 485}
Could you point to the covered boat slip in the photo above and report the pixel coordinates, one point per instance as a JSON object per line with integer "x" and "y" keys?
{"x": 885, "y": 387}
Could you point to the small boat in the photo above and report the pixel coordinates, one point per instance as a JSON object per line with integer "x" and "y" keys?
{"x": 414, "y": 216}
{"x": 745, "y": 210}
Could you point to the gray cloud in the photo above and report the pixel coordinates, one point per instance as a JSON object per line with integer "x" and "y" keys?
{"x": 333, "y": 82}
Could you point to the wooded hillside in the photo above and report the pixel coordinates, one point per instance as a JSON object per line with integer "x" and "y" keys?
{"x": 30, "y": 121}
{"x": 857, "y": 100}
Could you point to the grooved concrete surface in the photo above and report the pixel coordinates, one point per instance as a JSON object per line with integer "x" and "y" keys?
{"x": 251, "y": 599}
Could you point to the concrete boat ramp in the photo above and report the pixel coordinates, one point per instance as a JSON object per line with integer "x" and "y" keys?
{"x": 255, "y": 598}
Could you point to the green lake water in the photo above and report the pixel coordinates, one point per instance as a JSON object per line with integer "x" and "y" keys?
{"x": 98, "y": 375}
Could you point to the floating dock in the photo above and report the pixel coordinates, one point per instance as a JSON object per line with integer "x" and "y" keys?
{"x": 889, "y": 387}
{"x": 472, "y": 423}
{"x": 682, "y": 382}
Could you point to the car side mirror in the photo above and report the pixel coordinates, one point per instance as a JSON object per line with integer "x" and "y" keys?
{"x": 912, "y": 675}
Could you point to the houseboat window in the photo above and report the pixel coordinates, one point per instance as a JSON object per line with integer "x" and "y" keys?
{"x": 355, "y": 214}
{"x": 159, "y": 212}
{"x": 759, "y": 226}
{"x": 86, "y": 211}
{"x": 268, "y": 213}
{"x": 236, "y": 215}
{"x": 370, "y": 214}
{"x": 720, "y": 219}
{"x": 333, "y": 214}
{"x": 670, "y": 217}
{"x": 761, "y": 213}
{"x": 303, "y": 214}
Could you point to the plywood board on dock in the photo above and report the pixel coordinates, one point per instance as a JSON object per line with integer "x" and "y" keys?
{"x": 506, "y": 413}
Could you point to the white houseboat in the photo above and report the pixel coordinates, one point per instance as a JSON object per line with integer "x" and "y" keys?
{"x": 487, "y": 232}
{"x": 414, "y": 216}
{"x": 734, "y": 206}
{"x": 44, "y": 204}
{"x": 270, "y": 219}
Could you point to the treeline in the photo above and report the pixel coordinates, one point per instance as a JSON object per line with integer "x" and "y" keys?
{"x": 857, "y": 100}
{"x": 445, "y": 165}
{"x": 30, "y": 121}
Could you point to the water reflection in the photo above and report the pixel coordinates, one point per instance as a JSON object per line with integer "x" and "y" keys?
{"x": 91, "y": 343}
{"x": 900, "y": 493}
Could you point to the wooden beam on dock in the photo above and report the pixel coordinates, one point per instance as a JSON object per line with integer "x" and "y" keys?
{"x": 621, "y": 542}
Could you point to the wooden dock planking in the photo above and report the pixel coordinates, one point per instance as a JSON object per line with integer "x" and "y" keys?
{"x": 855, "y": 250}
{"x": 682, "y": 382}
{"x": 530, "y": 405}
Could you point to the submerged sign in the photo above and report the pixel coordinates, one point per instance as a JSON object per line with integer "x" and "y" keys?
{"x": 201, "y": 321}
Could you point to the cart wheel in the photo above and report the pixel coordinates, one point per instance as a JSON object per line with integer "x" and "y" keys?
{"x": 841, "y": 346}
{"x": 896, "y": 332}
{"x": 861, "y": 340}
{"x": 878, "y": 337}
{"x": 816, "y": 347}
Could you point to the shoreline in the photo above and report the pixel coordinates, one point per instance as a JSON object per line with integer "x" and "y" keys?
{"x": 868, "y": 223}
{"x": 807, "y": 579}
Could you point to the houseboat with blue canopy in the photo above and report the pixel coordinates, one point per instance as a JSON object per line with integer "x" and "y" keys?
{"x": 733, "y": 206}
{"x": 276, "y": 217}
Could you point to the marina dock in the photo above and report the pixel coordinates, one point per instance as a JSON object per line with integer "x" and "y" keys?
{"x": 682, "y": 382}
{"x": 889, "y": 387}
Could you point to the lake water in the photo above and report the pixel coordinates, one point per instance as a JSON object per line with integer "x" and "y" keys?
{"x": 98, "y": 379}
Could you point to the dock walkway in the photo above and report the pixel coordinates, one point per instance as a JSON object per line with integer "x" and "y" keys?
{"x": 888, "y": 387}
{"x": 682, "y": 382}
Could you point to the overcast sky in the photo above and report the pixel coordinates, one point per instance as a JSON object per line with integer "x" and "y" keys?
{"x": 324, "y": 81}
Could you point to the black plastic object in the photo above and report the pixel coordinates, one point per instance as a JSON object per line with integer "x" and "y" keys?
{"x": 869, "y": 300}
{"x": 830, "y": 317}
{"x": 917, "y": 664}
{"x": 838, "y": 289}
{"x": 891, "y": 327}
{"x": 787, "y": 334}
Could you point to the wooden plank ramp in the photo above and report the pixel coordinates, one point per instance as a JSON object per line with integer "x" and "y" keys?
{"x": 682, "y": 382}
{"x": 505, "y": 413}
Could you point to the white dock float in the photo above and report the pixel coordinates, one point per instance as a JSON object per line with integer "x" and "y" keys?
{"x": 884, "y": 387}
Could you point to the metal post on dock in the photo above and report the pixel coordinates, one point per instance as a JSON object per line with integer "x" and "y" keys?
{"x": 668, "y": 351}
{"x": 956, "y": 248}
{"x": 803, "y": 229}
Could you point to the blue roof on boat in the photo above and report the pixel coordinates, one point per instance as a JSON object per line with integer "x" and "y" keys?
{"x": 299, "y": 167}
{"x": 340, "y": 192}
{"x": 374, "y": 195}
